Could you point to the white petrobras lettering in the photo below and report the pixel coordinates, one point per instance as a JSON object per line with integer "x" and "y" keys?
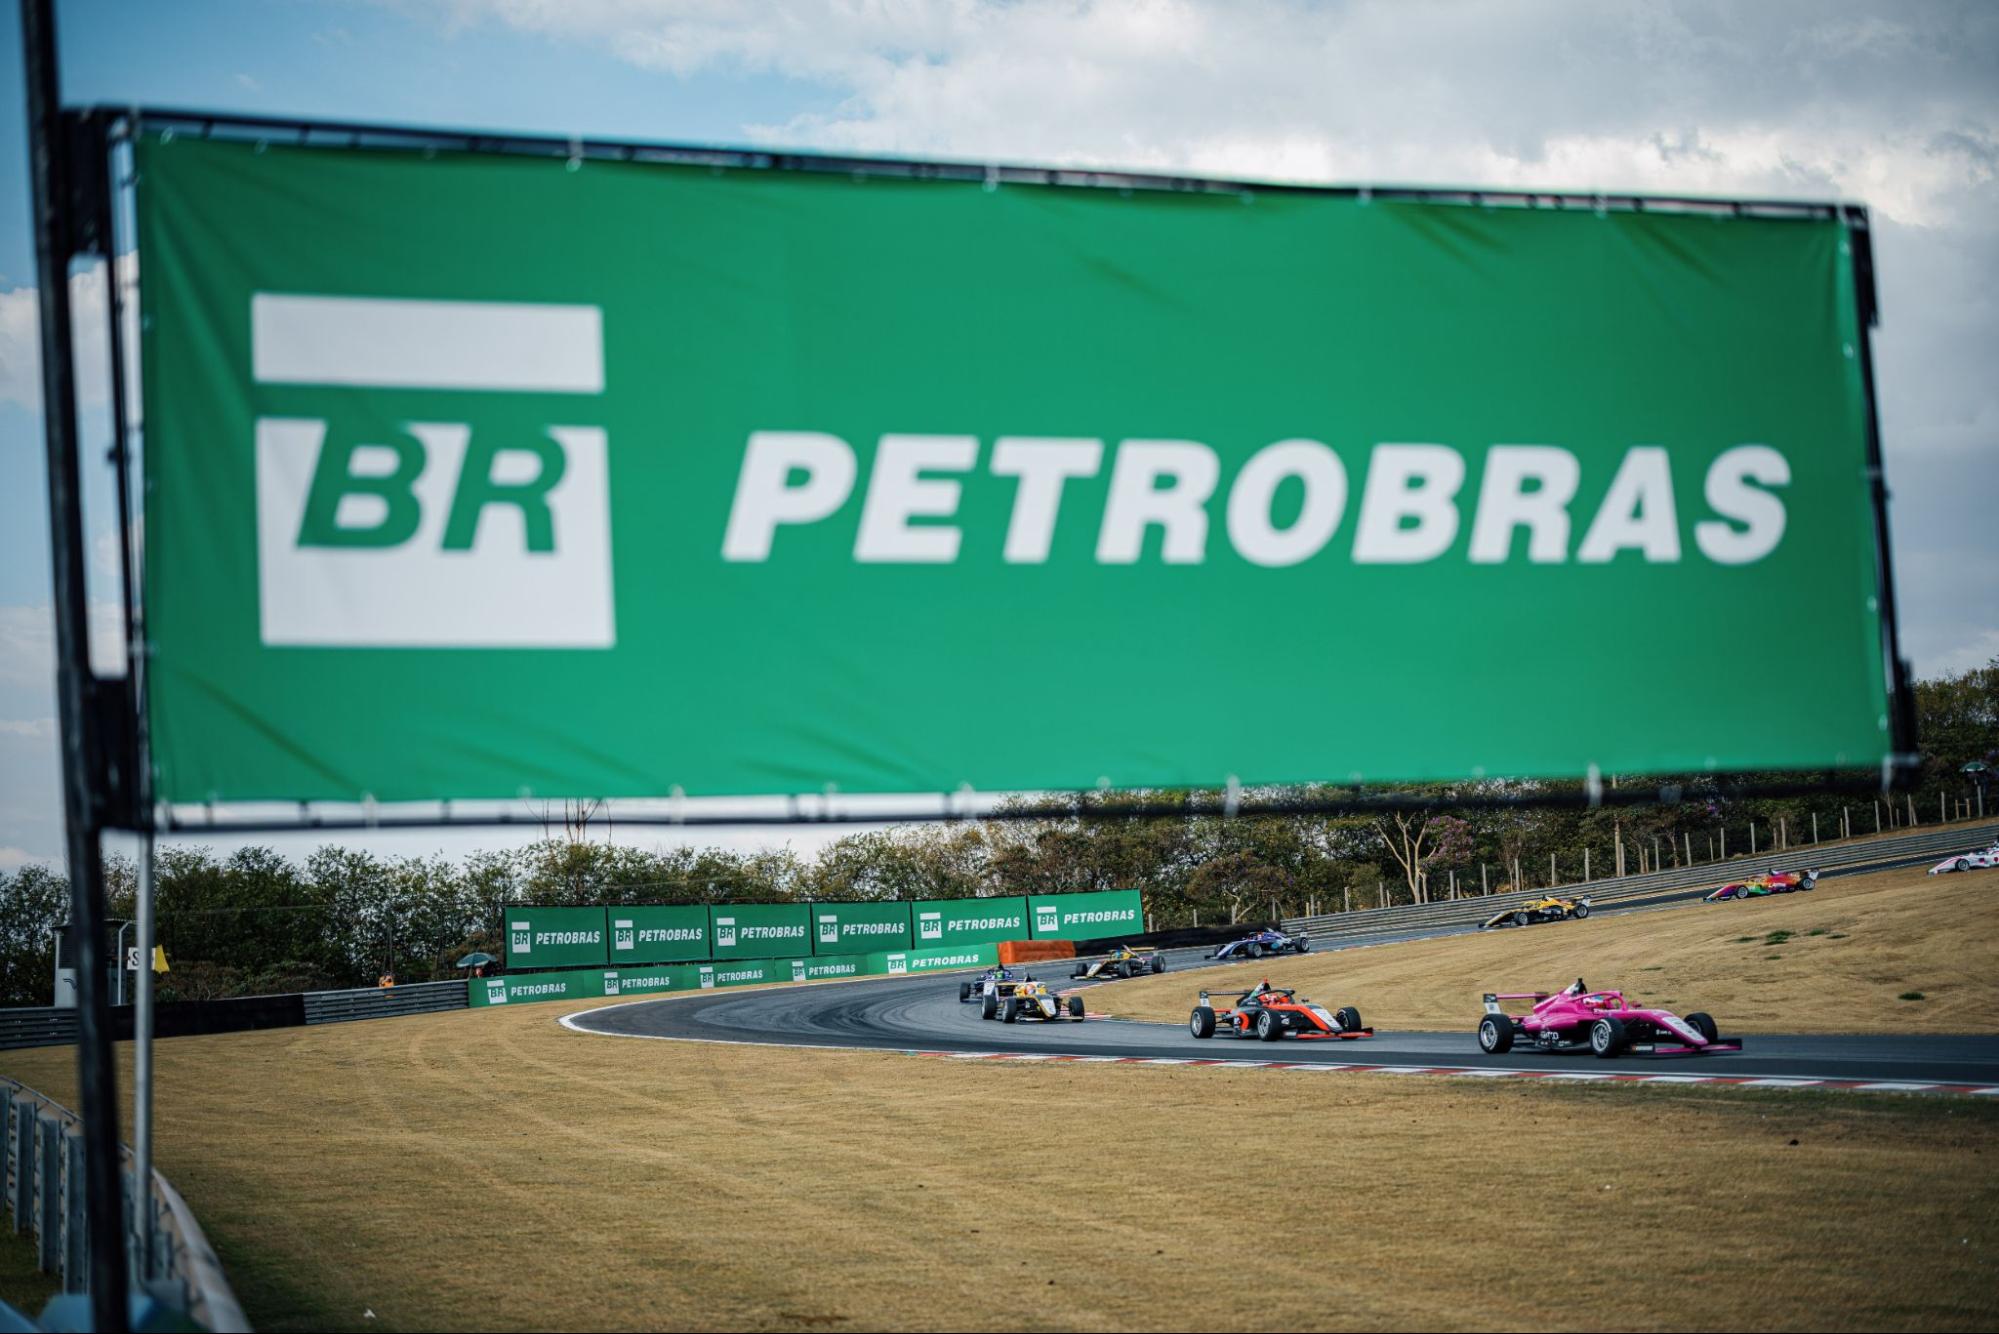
{"x": 1414, "y": 502}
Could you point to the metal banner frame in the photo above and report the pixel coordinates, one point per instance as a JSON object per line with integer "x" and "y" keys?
{"x": 78, "y": 194}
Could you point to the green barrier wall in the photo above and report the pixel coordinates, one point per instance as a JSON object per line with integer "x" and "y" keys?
{"x": 760, "y": 930}
{"x": 643, "y": 981}
{"x": 950, "y": 923}
{"x": 519, "y": 988}
{"x": 897, "y": 962}
{"x": 845, "y": 927}
{"x": 616, "y": 983}
{"x": 555, "y": 937}
{"x": 823, "y": 966}
{"x": 658, "y": 935}
{"x": 1115, "y": 912}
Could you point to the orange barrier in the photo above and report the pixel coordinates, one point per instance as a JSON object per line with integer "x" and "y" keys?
{"x": 1035, "y": 951}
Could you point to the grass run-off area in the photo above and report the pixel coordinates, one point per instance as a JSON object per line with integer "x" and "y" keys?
{"x": 1836, "y": 960}
{"x": 488, "y": 1169}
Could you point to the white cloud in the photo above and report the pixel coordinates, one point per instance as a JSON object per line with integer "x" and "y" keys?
{"x": 13, "y": 859}
{"x": 20, "y": 338}
{"x": 1977, "y": 651}
{"x": 27, "y": 644}
{"x": 1789, "y": 100}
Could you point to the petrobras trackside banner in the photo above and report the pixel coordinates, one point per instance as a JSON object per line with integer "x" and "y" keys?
{"x": 474, "y": 476}
{"x": 555, "y": 937}
{"x": 838, "y": 927}
{"x": 658, "y": 934}
{"x": 1116, "y": 912}
{"x": 945, "y": 923}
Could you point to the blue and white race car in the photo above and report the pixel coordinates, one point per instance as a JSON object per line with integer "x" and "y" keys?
{"x": 1000, "y": 981}
{"x": 1261, "y": 944}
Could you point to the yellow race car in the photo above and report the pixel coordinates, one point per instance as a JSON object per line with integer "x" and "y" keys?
{"x": 1124, "y": 961}
{"x": 1030, "y": 999}
{"x": 1551, "y": 908}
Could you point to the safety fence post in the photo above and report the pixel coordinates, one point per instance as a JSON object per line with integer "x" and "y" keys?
{"x": 24, "y": 1165}
{"x": 76, "y": 1218}
{"x": 48, "y": 1194}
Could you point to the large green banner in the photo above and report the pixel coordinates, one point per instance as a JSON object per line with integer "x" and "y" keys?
{"x": 950, "y": 922}
{"x": 658, "y": 934}
{"x": 1116, "y": 912}
{"x": 759, "y": 930}
{"x": 843, "y": 927}
{"x": 481, "y": 476}
{"x": 555, "y": 937}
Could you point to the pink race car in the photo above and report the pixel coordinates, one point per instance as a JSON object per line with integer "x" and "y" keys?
{"x": 1602, "y": 1021}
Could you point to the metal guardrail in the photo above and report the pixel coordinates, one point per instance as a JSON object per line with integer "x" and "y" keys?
{"x": 1602, "y": 893}
{"x": 339, "y": 1007}
{"x": 37, "y": 1026}
{"x": 41, "y": 1178}
{"x": 46, "y": 1026}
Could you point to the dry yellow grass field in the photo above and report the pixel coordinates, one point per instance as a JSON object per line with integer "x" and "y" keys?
{"x": 1835, "y": 960}
{"x": 489, "y": 1169}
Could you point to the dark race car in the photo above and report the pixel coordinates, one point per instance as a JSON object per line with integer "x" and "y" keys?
{"x": 1260, "y": 944}
{"x": 1123, "y": 961}
{"x": 1269, "y": 1013}
{"x": 972, "y": 990}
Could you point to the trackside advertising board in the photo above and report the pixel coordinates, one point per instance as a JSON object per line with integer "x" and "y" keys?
{"x": 942, "y": 923}
{"x": 844, "y": 927}
{"x": 1175, "y": 485}
{"x": 555, "y": 937}
{"x": 658, "y": 934}
{"x": 1116, "y": 912}
{"x": 759, "y": 930}
{"x": 585, "y": 983}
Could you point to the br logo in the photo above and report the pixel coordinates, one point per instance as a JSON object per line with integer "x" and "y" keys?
{"x": 930, "y": 926}
{"x": 1047, "y": 918}
{"x": 829, "y": 930}
{"x": 798, "y": 970}
{"x": 484, "y": 526}
{"x": 622, "y": 935}
{"x": 496, "y": 991}
{"x": 518, "y": 938}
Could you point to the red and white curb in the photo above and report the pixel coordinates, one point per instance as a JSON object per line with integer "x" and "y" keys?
{"x": 1462, "y": 1071}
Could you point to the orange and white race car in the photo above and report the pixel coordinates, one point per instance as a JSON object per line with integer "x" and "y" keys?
{"x": 1269, "y": 1013}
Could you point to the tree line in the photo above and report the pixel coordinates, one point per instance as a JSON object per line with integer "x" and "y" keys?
{"x": 258, "y": 922}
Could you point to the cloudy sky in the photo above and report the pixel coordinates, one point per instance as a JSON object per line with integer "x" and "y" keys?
{"x": 1894, "y": 105}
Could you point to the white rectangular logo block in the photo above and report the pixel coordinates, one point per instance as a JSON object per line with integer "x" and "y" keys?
{"x": 448, "y": 534}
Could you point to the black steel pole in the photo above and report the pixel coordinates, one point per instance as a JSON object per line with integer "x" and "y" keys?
{"x": 49, "y": 171}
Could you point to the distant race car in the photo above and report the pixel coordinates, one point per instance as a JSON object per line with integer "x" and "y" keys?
{"x": 1771, "y": 882}
{"x": 1260, "y": 944}
{"x": 1269, "y": 1013}
{"x": 1965, "y": 861}
{"x": 1028, "y": 999}
{"x": 972, "y": 990}
{"x": 1123, "y": 961}
{"x": 1601, "y": 1021}
{"x": 1549, "y": 909}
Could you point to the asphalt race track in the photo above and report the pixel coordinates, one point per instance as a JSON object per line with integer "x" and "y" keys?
{"x": 923, "y": 1014}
